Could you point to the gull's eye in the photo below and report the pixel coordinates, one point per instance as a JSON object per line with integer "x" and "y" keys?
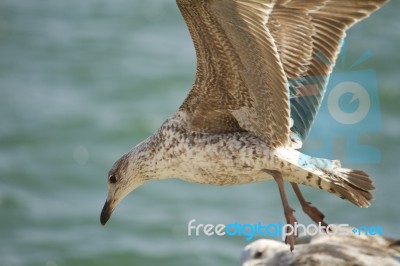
{"x": 258, "y": 255}
{"x": 112, "y": 179}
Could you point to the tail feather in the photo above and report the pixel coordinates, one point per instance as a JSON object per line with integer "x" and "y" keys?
{"x": 353, "y": 185}
{"x": 361, "y": 179}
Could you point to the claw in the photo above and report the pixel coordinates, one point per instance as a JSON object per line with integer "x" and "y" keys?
{"x": 316, "y": 215}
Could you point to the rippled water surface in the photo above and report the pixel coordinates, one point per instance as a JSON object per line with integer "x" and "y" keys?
{"x": 83, "y": 81}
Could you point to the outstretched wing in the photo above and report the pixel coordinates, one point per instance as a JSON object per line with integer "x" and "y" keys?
{"x": 308, "y": 34}
{"x": 240, "y": 82}
{"x": 261, "y": 63}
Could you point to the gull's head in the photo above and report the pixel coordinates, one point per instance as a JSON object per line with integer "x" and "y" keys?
{"x": 262, "y": 252}
{"x": 124, "y": 176}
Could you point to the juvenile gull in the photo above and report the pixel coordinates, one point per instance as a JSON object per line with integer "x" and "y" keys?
{"x": 262, "y": 68}
{"x": 325, "y": 250}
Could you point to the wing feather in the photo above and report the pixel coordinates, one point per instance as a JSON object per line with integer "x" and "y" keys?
{"x": 261, "y": 63}
{"x": 239, "y": 72}
{"x": 321, "y": 25}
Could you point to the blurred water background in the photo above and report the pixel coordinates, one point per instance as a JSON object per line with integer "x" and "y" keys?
{"x": 83, "y": 81}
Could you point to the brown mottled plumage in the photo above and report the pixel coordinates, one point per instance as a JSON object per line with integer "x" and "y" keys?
{"x": 262, "y": 67}
{"x": 325, "y": 250}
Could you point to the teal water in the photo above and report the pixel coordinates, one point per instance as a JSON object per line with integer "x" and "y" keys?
{"x": 83, "y": 81}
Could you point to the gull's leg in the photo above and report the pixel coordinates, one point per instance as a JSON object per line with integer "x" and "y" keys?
{"x": 290, "y": 219}
{"x": 316, "y": 215}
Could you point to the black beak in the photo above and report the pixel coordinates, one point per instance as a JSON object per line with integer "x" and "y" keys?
{"x": 106, "y": 212}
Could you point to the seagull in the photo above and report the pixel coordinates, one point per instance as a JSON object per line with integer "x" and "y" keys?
{"x": 325, "y": 250}
{"x": 262, "y": 69}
